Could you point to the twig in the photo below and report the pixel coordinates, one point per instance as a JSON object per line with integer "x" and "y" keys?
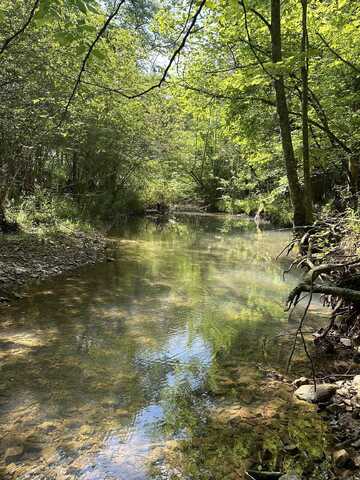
{"x": 261, "y": 63}
{"x": 147, "y": 90}
{"x": 309, "y": 357}
{"x": 173, "y": 56}
{"x": 333, "y": 317}
{"x": 340, "y": 57}
{"x": 299, "y": 331}
{"x": 87, "y": 56}
{"x": 12, "y": 37}
{"x": 288, "y": 247}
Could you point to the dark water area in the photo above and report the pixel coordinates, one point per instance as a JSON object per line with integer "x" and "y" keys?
{"x": 159, "y": 364}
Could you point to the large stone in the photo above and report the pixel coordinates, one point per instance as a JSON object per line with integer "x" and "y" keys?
{"x": 322, "y": 393}
{"x": 13, "y": 454}
{"x": 356, "y": 383}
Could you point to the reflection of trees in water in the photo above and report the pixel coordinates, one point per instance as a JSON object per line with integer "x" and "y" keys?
{"x": 107, "y": 332}
{"x": 239, "y": 421}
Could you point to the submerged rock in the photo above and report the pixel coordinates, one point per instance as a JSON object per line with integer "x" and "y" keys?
{"x": 322, "y": 393}
{"x": 341, "y": 458}
{"x": 13, "y": 454}
{"x": 86, "y": 430}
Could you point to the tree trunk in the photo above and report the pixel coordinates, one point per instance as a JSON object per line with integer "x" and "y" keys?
{"x": 354, "y": 179}
{"x": 353, "y": 164}
{"x": 3, "y": 222}
{"x": 296, "y": 193}
{"x": 305, "y": 118}
{"x": 74, "y": 173}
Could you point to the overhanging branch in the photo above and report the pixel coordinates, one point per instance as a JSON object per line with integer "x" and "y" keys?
{"x": 12, "y": 37}
{"x": 337, "y": 55}
{"x": 87, "y": 56}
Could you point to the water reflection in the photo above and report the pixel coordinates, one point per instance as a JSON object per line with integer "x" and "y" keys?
{"x": 147, "y": 367}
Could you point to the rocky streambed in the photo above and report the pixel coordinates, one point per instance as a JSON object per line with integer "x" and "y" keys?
{"x": 339, "y": 403}
{"x": 28, "y": 258}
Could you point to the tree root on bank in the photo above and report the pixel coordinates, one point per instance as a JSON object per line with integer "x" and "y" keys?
{"x": 328, "y": 252}
{"x": 337, "y": 292}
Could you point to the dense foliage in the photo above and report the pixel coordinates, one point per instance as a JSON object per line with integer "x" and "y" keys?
{"x": 82, "y": 117}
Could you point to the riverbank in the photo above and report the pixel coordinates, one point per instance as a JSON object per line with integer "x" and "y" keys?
{"x": 29, "y": 257}
{"x": 329, "y": 253}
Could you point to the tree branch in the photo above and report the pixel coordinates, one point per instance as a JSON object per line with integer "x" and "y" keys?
{"x": 12, "y": 37}
{"x": 339, "y": 292}
{"x": 173, "y": 56}
{"x": 258, "y": 14}
{"x": 340, "y": 57}
{"x": 261, "y": 63}
{"x": 87, "y": 56}
{"x": 118, "y": 91}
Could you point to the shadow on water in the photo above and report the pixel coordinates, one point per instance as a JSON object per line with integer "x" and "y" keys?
{"x": 148, "y": 367}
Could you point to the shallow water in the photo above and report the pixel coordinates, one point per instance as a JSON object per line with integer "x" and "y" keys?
{"x": 159, "y": 364}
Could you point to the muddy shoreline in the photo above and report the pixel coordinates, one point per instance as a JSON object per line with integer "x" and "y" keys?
{"x": 29, "y": 258}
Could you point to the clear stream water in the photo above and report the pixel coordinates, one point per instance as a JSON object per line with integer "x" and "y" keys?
{"x": 159, "y": 364}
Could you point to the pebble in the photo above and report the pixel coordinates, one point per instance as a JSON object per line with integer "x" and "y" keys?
{"x": 86, "y": 430}
{"x": 38, "y": 259}
{"x": 356, "y": 444}
{"x": 333, "y": 408}
{"x": 341, "y": 458}
{"x": 13, "y": 454}
{"x": 300, "y": 381}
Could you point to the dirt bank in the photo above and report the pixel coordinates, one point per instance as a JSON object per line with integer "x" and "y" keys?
{"x": 329, "y": 255}
{"x": 27, "y": 258}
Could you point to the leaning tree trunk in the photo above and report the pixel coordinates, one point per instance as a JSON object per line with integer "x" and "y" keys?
{"x": 296, "y": 193}
{"x": 305, "y": 118}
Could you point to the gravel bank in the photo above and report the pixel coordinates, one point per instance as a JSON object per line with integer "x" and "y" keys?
{"x": 28, "y": 258}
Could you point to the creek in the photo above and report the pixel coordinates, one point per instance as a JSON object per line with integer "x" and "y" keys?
{"x": 159, "y": 364}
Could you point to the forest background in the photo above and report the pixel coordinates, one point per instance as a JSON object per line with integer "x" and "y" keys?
{"x": 109, "y": 108}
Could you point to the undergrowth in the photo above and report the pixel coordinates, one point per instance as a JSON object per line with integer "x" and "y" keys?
{"x": 43, "y": 214}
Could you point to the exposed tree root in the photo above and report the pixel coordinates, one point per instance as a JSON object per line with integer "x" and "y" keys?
{"x": 328, "y": 255}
